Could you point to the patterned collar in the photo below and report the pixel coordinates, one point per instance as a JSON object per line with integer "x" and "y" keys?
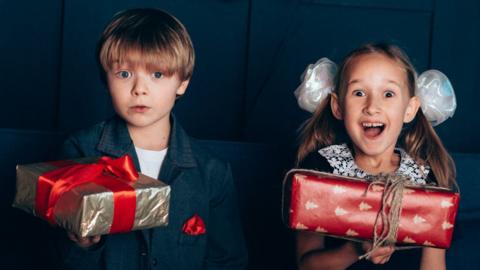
{"x": 341, "y": 159}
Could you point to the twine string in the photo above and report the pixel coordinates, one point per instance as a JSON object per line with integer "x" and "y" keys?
{"x": 389, "y": 215}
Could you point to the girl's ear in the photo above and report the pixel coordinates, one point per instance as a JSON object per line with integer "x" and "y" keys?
{"x": 336, "y": 111}
{"x": 412, "y": 109}
{"x": 182, "y": 88}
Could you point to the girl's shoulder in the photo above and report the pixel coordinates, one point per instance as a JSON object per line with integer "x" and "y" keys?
{"x": 420, "y": 173}
{"x": 315, "y": 161}
{"x": 340, "y": 159}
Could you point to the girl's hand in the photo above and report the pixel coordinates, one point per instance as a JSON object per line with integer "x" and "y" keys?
{"x": 379, "y": 256}
{"x": 84, "y": 242}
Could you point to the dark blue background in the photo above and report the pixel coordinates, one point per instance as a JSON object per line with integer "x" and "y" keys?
{"x": 250, "y": 55}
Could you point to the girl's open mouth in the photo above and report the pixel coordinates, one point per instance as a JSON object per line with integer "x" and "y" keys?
{"x": 373, "y": 130}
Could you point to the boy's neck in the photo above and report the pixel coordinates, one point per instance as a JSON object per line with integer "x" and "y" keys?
{"x": 377, "y": 164}
{"x": 153, "y": 137}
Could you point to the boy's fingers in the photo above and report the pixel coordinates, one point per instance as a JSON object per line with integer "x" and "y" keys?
{"x": 95, "y": 239}
{"x": 72, "y": 237}
{"x": 84, "y": 241}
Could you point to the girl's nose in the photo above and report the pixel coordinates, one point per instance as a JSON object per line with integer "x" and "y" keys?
{"x": 372, "y": 106}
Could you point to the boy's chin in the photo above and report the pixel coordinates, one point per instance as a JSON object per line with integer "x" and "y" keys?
{"x": 145, "y": 123}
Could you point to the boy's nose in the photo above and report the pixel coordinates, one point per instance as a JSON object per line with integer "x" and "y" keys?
{"x": 139, "y": 88}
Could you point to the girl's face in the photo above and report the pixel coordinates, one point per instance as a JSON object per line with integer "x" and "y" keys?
{"x": 376, "y": 104}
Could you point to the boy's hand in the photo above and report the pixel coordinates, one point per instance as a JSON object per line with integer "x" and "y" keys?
{"x": 84, "y": 242}
{"x": 379, "y": 256}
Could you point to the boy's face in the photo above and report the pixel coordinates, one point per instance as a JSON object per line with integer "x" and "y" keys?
{"x": 143, "y": 97}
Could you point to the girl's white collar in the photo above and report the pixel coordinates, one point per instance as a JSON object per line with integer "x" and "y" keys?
{"x": 341, "y": 160}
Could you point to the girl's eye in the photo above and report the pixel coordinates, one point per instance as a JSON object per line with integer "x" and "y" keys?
{"x": 389, "y": 94}
{"x": 358, "y": 93}
{"x": 124, "y": 74}
{"x": 157, "y": 75}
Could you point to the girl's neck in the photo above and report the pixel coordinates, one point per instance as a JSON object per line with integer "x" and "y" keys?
{"x": 153, "y": 137}
{"x": 384, "y": 163}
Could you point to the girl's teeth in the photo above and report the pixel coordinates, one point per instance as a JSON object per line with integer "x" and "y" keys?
{"x": 372, "y": 124}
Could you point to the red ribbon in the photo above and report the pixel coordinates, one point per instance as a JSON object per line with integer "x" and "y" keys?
{"x": 113, "y": 174}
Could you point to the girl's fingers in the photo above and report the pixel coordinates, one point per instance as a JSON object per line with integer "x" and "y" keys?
{"x": 381, "y": 255}
{"x": 384, "y": 251}
{"x": 366, "y": 246}
{"x": 380, "y": 260}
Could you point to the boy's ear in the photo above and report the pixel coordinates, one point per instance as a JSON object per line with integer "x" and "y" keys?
{"x": 412, "y": 109}
{"x": 336, "y": 111}
{"x": 182, "y": 88}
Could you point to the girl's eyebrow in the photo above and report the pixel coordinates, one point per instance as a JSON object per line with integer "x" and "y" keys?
{"x": 354, "y": 81}
{"x": 388, "y": 81}
{"x": 394, "y": 82}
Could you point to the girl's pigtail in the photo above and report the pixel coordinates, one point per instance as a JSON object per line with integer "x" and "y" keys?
{"x": 423, "y": 143}
{"x": 317, "y": 131}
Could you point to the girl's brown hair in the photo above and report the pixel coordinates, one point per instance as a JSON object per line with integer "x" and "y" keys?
{"x": 419, "y": 140}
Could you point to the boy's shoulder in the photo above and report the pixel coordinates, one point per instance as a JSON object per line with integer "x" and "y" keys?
{"x": 188, "y": 151}
{"x": 204, "y": 155}
{"x": 85, "y": 142}
{"x": 91, "y": 132}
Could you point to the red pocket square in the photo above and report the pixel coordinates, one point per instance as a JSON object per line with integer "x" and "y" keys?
{"x": 194, "y": 226}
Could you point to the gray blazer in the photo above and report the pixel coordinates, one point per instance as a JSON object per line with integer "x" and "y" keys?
{"x": 200, "y": 184}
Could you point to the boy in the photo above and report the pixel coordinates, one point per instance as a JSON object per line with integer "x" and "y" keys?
{"x": 147, "y": 60}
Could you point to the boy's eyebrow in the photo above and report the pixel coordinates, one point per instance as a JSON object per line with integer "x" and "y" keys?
{"x": 150, "y": 67}
{"x": 118, "y": 63}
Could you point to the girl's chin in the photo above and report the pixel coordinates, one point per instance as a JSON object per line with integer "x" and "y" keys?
{"x": 379, "y": 151}
{"x": 371, "y": 147}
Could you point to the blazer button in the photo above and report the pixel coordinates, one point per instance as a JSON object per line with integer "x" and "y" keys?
{"x": 154, "y": 262}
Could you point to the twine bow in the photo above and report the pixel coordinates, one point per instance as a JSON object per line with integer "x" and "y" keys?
{"x": 389, "y": 215}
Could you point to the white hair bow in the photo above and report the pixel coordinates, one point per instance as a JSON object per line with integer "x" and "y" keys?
{"x": 434, "y": 90}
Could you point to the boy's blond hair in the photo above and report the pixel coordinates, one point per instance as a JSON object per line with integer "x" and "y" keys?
{"x": 149, "y": 37}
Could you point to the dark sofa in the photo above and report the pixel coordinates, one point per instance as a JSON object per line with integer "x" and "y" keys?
{"x": 258, "y": 170}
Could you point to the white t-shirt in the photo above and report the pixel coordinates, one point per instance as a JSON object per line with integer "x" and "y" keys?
{"x": 150, "y": 161}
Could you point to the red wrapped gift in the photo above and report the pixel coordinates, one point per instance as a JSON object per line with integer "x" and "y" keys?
{"x": 342, "y": 207}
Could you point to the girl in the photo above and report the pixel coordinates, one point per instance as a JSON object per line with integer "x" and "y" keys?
{"x": 371, "y": 124}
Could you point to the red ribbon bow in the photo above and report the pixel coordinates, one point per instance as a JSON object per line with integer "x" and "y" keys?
{"x": 194, "y": 226}
{"x": 113, "y": 174}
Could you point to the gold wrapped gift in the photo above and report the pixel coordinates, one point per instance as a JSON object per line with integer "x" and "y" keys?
{"x": 98, "y": 204}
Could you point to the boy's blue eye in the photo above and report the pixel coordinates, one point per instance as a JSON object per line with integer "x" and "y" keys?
{"x": 123, "y": 74}
{"x": 157, "y": 75}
